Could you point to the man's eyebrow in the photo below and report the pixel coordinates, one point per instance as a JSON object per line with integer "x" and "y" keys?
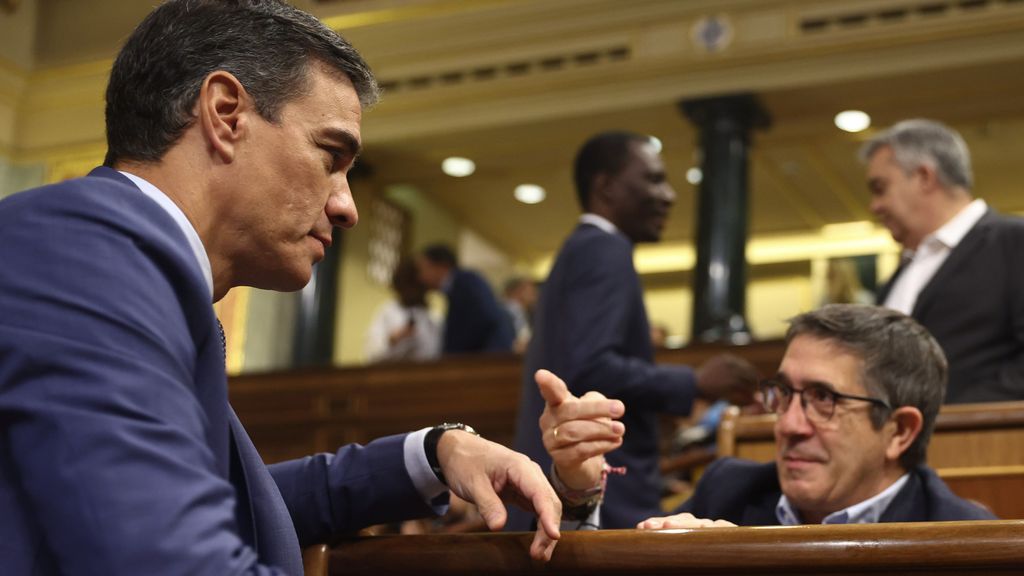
{"x": 345, "y": 139}
{"x": 781, "y": 377}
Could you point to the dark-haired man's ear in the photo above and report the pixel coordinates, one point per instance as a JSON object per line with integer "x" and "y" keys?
{"x": 902, "y": 429}
{"x": 599, "y": 189}
{"x": 221, "y": 108}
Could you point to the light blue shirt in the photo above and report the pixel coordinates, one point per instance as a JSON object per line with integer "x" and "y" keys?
{"x": 866, "y": 512}
{"x": 423, "y": 478}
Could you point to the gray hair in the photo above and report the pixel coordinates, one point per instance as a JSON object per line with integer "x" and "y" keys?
{"x": 929, "y": 143}
{"x": 267, "y": 44}
{"x": 903, "y": 364}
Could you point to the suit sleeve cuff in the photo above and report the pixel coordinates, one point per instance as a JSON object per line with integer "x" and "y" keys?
{"x": 423, "y": 478}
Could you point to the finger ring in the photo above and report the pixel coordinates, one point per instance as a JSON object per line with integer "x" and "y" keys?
{"x": 554, "y": 432}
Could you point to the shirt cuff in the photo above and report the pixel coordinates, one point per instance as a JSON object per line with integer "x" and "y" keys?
{"x": 423, "y": 478}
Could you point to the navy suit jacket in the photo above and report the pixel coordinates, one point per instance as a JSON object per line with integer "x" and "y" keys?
{"x": 475, "y": 322}
{"x": 746, "y": 493}
{"x": 974, "y": 306}
{"x": 591, "y": 329}
{"x": 119, "y": 453}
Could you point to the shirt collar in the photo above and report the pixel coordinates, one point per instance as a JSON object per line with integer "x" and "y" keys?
{"x": 194, "y": 242}
{"x": 953, "y": 231}
{"x": 866, "y": 512}
{"x": 599, "y": 221}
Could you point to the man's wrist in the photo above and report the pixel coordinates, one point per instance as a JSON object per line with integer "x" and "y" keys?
{"x": 433, "y": 438}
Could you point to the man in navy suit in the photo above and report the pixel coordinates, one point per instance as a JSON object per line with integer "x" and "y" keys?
{"x": 961, "y": 275}
{"x": 856, "y": 397}
{"x": 591, "y": 327}
{"x": 476, "y": 321}
{"x": 231, "y": 128}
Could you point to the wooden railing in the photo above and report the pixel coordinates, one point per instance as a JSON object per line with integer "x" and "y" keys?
{"x": 294, "y": 413}
{"x": 978, "y": 449}
{"x": 933, "y": 548}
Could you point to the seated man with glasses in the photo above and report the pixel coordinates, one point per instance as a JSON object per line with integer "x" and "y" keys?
{"x": 867, "y": 384}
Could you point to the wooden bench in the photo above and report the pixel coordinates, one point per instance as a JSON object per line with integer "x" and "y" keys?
{"x": 978, "y": 449}
{"x": 948, "y": 548}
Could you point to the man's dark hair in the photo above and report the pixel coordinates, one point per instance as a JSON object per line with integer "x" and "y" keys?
{"x": 266, "y": 44}
{"x": 441, "y": 254}
{"x": 903, "y": 364}
{"x": 604, "y": 153}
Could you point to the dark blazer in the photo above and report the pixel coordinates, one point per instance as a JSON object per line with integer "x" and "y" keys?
{"x": 119, "y": 453}
{"x": 746, "y": 493}
{"x": 974, "y": 306}
{"x": 591, "y": 330}
{"x": 475, "y": 322}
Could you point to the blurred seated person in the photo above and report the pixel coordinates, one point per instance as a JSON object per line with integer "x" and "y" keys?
{"x": 404, "y": 329}
{"x": 844, "y": 285}
{"x": 659, "y": 335}
{"x": 520, "y": 296}
{"x": 868, "y": 384}
{"x": 475, "y": 322}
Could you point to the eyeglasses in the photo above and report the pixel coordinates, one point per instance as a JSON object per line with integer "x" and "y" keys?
{"x": 818, "y": 401}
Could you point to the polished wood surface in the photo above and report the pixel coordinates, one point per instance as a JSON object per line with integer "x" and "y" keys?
{"x": 314, "y": 560}
{"x": 291, "y": 414}
{"x": 933, "y": 548}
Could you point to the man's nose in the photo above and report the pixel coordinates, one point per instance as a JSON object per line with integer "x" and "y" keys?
{"x": 667, "y": 194}
{"x": 875, "y": 205}
{"x": 341, "y": 208}
{"x": 793, "y": 421}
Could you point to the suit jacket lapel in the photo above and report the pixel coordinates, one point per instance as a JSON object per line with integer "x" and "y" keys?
{"x": 960, "y": 255}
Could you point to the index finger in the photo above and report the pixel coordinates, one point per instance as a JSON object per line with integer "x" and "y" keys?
{"x": 549, "y": 515}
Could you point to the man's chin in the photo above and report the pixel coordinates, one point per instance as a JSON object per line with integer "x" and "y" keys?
{"x": 294, "y": 281}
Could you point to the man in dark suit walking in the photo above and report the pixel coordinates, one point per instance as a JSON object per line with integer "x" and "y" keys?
{"x": 475, "y": 321}
{"x": 856, "y": 397}
{"x": 231, "y": 129}
{"x": 591, "y": 326}
{"x": 961, "y": 275}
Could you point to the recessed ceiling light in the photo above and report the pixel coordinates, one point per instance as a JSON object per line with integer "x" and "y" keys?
{"x": 694, "y": 175}
{"x": 852, "y": 120}
{"x": 530, "y": 193}
{"x": 458, "y": 167}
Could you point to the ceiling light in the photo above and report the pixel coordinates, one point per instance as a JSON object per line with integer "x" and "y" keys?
{"x": 529, "y": 193}
{"x": 694, "y": 175}
{"x": 458, "y": 167}
{"x": 655, "y": 143}
{"x": 852, "y": 120}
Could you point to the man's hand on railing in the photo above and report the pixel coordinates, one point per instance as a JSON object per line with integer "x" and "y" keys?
{"x": 486, "y": 473}
{"x": 681, "y": 521}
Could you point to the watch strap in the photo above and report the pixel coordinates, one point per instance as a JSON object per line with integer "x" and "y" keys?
{"x": 431, "y": 439}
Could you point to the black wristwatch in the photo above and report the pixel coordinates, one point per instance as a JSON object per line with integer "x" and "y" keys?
{"x": 430, "y": 445}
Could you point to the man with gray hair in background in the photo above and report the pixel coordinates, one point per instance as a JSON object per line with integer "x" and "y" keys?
{"x": 959, "y": 274}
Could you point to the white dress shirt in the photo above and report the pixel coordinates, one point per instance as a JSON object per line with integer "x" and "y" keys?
{"x": 922, "y": 264}
{"x": 866, "y": 512}
{"x": 423, "y": 344}
{"x": 599, "y": 221}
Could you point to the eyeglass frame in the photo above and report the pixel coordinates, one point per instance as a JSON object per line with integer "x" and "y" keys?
{"x": 835, "y": 395}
